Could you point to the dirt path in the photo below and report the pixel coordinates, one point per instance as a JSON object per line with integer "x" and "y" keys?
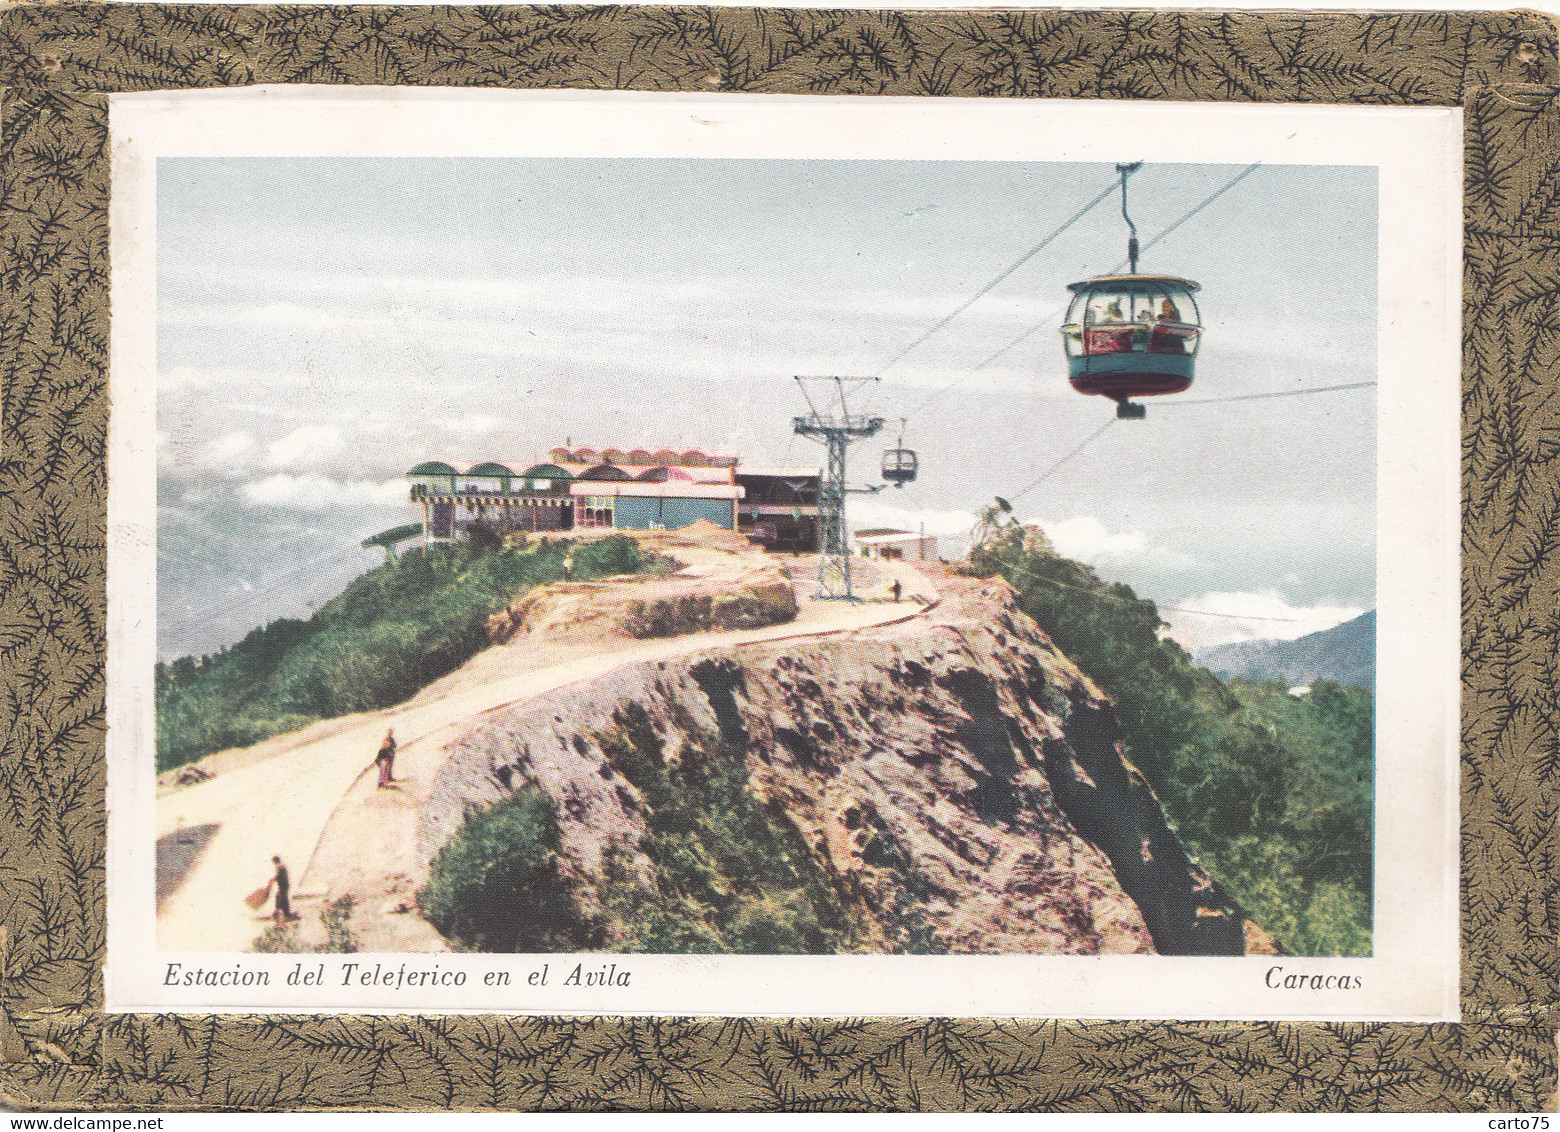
{"x": 280, "y": 796}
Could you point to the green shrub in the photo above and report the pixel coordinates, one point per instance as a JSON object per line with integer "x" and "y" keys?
{"x": 1271, "y": 792}
{"x": 667, "y": 617}
{"x": 695, "y": 613}
{"x": 783, "y": 926}
{"x": 732, "y": 876}
{"x": 339, "y": 937}
{"x": 390, "y": 633}
{"x": 495, "y": 885}
{"x": 279, "y": 939}
{"x": 336, "y": 916}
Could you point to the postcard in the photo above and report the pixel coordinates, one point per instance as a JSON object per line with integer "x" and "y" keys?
{"x": 603, "y": 553}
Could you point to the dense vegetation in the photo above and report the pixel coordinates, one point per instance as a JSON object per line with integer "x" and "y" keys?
{"x": 1271, "y": 792}
{"x": 731, "y": 877}
{"x": 391, "y": 632}
{"x": 495, "y": 886}
{"x": 335, "y": 918}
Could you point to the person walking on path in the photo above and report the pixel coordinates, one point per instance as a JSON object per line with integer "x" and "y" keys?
{"x": 568, "y": 566}
{"x": 385, "y": 759}
{"x": 896, "y": 589}
{"x": 283, "y": 885}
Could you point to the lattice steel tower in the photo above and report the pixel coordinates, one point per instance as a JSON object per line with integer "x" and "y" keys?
{"x": 834, "y": 430}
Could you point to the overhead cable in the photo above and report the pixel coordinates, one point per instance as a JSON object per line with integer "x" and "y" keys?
{"x": 1046, "y": 321}
{"x": 1052, "y": 469}
{"x": 1264, "y": 396}
{"x": 1237, "y": 179}
{"x": 1210, "y": 401}
{"x": 1238, "y": 616}
{"x": 1014, "y": 266}
{"x": 1106, "y": 595}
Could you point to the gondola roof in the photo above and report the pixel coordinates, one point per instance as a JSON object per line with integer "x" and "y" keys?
{"x": 1134, "y": 284}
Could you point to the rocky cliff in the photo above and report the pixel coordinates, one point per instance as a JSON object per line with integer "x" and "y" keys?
{"x": 947, "y": 783}
{"x": 735, "y": 587}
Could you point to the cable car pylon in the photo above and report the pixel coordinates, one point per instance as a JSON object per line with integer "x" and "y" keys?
{"x": 835, "y": 430}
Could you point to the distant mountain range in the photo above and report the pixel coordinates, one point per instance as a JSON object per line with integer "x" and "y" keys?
{"x": 1345, "y": 654}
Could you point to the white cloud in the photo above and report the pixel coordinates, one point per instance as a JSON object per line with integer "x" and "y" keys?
{"x": 1088, "y": 540}
{"x": 470, "y": 424}
{"x": 319, "y": 493}
{"x": 1217, "y": 618}
{"x": 307, "y": 444}
{"x": 553, "y": 320}
{"x": 185, "y": 453}
{"x": 230, "y": 451}
{"x": 313, "y": 296}
{"x": 182, "y": 377}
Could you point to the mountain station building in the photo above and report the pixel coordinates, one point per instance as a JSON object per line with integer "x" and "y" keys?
{"x": 613, "y": 489}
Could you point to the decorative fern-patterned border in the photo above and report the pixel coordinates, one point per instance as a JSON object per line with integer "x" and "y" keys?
{"x": 58, "y": 63}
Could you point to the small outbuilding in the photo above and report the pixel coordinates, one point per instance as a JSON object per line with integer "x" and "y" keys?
{"x": 887, "y": 542}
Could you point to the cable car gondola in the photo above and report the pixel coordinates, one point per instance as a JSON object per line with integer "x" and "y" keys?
{"x": 1131, "y": 335}
{"x": 899, "y": 464}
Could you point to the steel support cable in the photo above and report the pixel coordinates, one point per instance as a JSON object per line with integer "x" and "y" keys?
{"x": 1012, "y": 267}
{"x": 1046, "y": 321}
{"x": 1112, "y": 420}
{"x": 1093, "y": 436}
{"x": 280, "y": 580}
{"x": 1264, "y": 396}
{"x": 239, "y": 602}
{"x": 1210, "y": 401}
{"x": 1238, "y": 616}
{"x": 1237, "y": 179}
{"x": 1030, "y": 576}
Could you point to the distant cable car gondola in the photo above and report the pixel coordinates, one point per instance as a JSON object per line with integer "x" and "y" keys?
{"x": 899, "y": 464}
{"x": 1131, "y": 335}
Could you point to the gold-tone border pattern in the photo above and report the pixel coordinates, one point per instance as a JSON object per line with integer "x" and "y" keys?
{"x": 56, "y": 1049}
{"x": 1511, "y": 568}
{"x": 1402, "y": 59}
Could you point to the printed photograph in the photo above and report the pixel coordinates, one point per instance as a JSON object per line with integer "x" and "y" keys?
{"x": 765, "y": 557}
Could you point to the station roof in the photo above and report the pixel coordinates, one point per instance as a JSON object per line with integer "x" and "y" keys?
{"x": 546, "y": 472}
{"x": 604, "y": 472}
{"x": 663, "y": 475}
{"x": 642, "y": 456}
{"x": 780, "y": 473}
{"x": 661, "y": 490}
{"x": 490, "y": 469}
{"x": 433, "y": 468}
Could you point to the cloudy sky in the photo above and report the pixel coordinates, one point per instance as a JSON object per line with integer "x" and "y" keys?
{"x": 324, "y": 324}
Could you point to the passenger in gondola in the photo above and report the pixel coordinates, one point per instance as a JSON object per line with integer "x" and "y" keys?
{"x": 1165, "y": 340}
{"x": 1143, "y": 334}
{"x": 1112, "y": 340}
